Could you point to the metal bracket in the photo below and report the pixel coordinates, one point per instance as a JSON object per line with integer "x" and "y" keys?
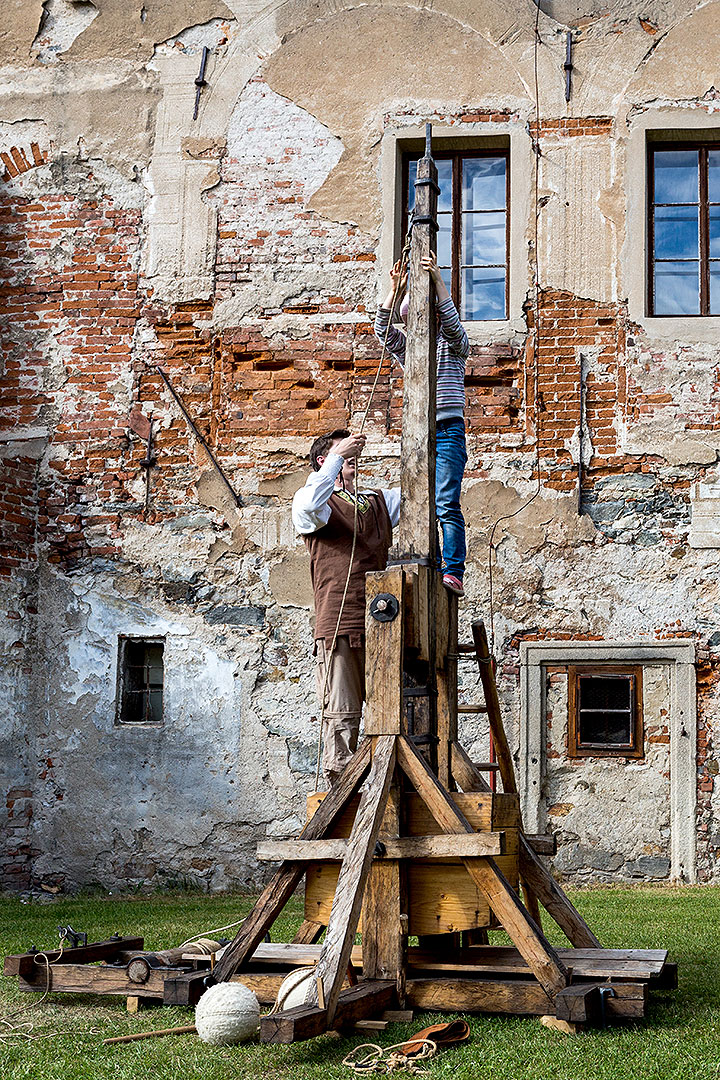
{"x": 75, "y": 937}
{"x": 385, "y": 607}
{"x": 421, "y": 740}
{"x": 605, "y": 992}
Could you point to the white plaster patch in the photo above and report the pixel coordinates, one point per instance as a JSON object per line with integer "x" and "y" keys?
{"x": 62, "y": 22}
{"x": 213, "y": 34}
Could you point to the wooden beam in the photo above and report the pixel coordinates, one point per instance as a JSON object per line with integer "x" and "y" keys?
{"x": 384, "y": 655}
{"x": 24, "y": 963}
{"x": 416, "y": 534}
{"x": 309, "y": 932}
{"x": 553, "y": 899}
{"x": 487, "y": 677}
{"x": 513, "y": 996}
{"x": 442, "y": 846}
{"x": 447, "y": 683}
{"x": 277, "y": 893}
{"x": 532, "y": 869}
{"x": 525, "y": 933}
{"x": 464, "y": 772}
{"x": 385, "y": 905}
{"x": 345, "y": 914}
{"x": 368, "y": 998}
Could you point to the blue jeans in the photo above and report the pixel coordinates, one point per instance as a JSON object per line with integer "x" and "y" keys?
{"x": 451, "y": 458}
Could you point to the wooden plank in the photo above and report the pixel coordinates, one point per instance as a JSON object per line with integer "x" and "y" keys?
{"x": 384, "y": 656}
{"x": 384, "y": 910}
{"x": 280, "y": 889}
{"x": 309, "y": 932}
{"x": 553, "y": 899}
{"x": 24, "y": 963}
{"x": 447, "y": 683}
{"x": 94, "y": 979}
{"x": 487, "y": 677}
{"x": 441, "y": 846}
{"x": 504, "y": 961}
{"x": 306, "y": 1021}
{"x": 418, "y": 625}
{"x": 514, "y": 996}
{"x": 578, "y": 1004}
{"x": 542, "y": 843}
{"x": 345, "y": 914}
{"x": 416, "y": 533}
{"x": 464, "y": 772}
{"x": 486, "y": 812}
{"x": 525, "y": 933}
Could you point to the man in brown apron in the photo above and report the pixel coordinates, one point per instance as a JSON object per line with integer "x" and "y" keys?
{"x": 324, "y": 515}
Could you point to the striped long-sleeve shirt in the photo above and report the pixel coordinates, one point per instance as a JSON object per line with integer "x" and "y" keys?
{"x": 452, "y": 352}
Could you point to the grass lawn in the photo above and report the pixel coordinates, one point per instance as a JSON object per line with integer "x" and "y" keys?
{"x": 679, "y": 1039}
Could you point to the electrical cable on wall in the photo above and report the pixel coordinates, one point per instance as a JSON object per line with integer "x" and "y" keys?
{"x": 535, "y": 339}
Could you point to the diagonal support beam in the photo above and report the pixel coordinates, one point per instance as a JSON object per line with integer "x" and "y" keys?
{"x": 532, "y": 869}
{"x": 277, "y": 893}
{"x": 345, "y": 914}
{"x": 526, "y": 935}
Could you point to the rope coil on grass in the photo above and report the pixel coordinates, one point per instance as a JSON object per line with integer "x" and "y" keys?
{"x": 391, "y": 1059}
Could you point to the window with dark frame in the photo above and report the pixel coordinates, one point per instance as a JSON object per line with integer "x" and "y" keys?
{"x": 605, "y": 712}
{"x": 140, "y": 680}
{"x": 683, "y": 228}
{"x": 473, "y": 240}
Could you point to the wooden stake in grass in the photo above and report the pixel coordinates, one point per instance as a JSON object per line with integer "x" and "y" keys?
{"x": 187, "y": 1029}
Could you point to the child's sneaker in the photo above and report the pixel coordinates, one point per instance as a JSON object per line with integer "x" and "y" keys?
{"x": 453, "y": 584}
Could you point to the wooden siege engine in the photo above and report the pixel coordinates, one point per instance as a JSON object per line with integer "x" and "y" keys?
{"x": 411, "y": 841}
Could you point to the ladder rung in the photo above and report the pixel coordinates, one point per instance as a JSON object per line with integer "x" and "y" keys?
{"x": 486, "y": 766}
{"x": 466, "y": 646}
{"x": 472, "y": 708}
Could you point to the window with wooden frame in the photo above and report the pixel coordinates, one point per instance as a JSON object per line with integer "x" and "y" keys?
{"x": 605, "y": 712}
{"x": 473, "y": 242}
{"x": 683, "y": 228}
{"x": 140, "y": 681}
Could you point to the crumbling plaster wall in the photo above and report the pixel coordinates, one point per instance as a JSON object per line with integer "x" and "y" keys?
{"x": 247, "y": 249}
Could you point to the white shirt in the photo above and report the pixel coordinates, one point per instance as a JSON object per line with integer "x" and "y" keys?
{"x": 311, "y": 504}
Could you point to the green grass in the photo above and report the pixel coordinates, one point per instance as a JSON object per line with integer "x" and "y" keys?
{"x": 679, "y": 1039}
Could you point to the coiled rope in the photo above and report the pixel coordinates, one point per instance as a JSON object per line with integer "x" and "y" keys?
{"x": 390, "y": 1059}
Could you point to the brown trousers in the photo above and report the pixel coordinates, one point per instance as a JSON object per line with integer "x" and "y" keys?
{"x": 344, "y": 696}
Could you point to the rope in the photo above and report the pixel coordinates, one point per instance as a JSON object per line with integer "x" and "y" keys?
{"x": 205, "y": 934}
{"x": 23, "y": 1029}
{"x": 536, "y": 338}
{"x": 328, "y": 656}
{"x": 391, "y": 1058}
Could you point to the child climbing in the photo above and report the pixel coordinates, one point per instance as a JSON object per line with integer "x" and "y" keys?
{"x": 451, "y": 454}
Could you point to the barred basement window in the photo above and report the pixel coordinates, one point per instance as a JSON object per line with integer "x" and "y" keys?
{"x": 140, "y": 680}
{"x": 473, "y": 241}
{"x": 605, "y": 712}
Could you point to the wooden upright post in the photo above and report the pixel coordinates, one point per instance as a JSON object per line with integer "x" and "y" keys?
{"x": 416, "y": 531}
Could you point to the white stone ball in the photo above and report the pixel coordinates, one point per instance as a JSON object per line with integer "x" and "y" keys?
{"x": 227, "y": 1013}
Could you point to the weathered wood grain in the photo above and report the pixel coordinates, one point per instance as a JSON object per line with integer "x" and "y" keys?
{"x": 306, "y": 1021}
{"x": 487, "y": 677}
{"x": 24, "y": 963}
{"x": 416, "y": 533}
{"x": 441, "y": 846}
{"x": 280, "y": 889}
{"x": 354, "y": 870}
{"x": 525, "y": 933}
{"x": 384, "y": 656}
